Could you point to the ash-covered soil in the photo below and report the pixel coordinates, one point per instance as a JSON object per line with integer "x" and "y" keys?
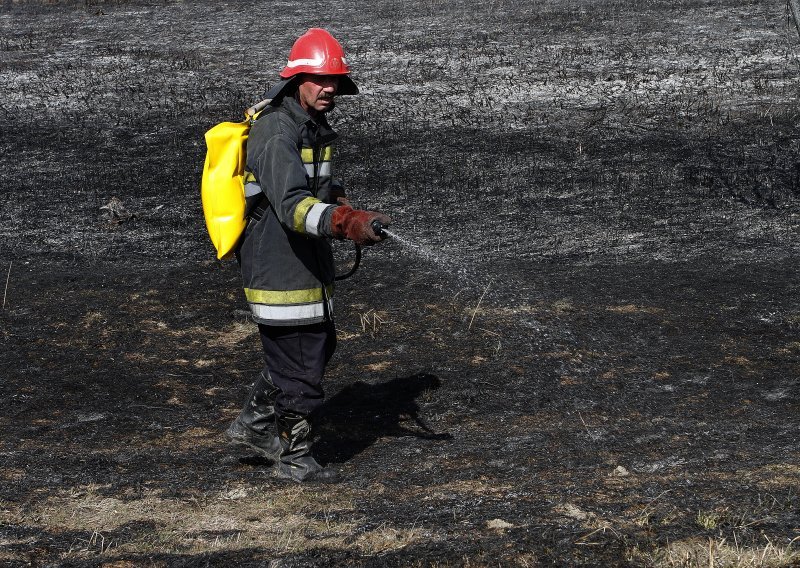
{"x": 583, "y": 349}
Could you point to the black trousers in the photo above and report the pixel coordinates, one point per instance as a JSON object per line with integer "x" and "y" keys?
{"x": 295, "y": 358}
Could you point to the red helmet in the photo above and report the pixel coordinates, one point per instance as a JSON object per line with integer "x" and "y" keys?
{"x": 317, "y": 52}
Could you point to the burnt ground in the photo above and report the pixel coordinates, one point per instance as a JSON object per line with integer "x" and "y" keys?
{"x": 585, "y": 350}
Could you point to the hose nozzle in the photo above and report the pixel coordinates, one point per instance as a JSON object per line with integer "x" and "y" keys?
{"x": 378, "y": 228}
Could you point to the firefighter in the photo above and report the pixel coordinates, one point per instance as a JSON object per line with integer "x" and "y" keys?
{"x": 296, "y": 207}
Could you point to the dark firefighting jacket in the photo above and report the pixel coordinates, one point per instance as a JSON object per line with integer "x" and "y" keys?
{"x": 286, "y": 258}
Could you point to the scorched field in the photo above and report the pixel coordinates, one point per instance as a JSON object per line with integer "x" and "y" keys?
{"x": 582, "y": 349}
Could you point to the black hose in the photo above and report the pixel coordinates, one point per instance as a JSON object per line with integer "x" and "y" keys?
{"x": 354, "y": 268}
{"x": 377, "y": 227}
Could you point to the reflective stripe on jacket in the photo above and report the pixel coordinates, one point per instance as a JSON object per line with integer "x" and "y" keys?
{"x": 286, "y": 259}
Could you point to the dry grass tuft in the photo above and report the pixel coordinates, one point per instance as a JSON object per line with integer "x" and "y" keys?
{"x": 241, "y": 516}
{"x": 634, "y": 309}
{"x": 386, "y": 538}
{"x": 719, "y": 553}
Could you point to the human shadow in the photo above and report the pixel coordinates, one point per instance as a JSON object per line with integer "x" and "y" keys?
{"x": 361, "y": 413}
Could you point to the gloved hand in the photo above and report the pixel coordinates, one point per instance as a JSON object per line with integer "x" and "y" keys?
{"x": 356, "y": 225}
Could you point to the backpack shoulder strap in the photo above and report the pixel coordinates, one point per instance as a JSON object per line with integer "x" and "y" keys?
{"x": 257, "y": 203}
{"x": 256, "y": 109}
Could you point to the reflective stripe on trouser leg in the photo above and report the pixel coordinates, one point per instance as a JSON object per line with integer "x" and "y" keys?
{"x": 289, "y": 313}
{"x": 296, "y": 357}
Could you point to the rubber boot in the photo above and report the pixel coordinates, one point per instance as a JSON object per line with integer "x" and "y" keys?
{"x": 255, "y": 425}
{"x": 296, "y": 462}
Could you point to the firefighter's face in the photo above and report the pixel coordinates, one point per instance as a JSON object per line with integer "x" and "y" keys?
{"x": 316, "y": 92}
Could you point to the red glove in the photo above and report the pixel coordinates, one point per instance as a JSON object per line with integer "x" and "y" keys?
{"x": 356, "y": 225}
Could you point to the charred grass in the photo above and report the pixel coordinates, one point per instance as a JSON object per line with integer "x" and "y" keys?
{"x": 585, "y": 352}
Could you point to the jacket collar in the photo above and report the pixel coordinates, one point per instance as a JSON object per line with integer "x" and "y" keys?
{"x": 320, "y": 126}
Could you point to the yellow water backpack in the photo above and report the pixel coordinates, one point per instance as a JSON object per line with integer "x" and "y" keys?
{"x": 222, "y": 186}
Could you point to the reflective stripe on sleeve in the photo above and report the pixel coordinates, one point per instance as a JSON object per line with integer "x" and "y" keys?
{"x": 301, "y": 211}
{"x": 313, "y": 218}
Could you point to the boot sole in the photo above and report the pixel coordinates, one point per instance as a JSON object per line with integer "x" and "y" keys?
{"x": 312, "y": 478}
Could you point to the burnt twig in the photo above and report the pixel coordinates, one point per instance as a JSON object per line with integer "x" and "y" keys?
{"x": 8, "y": 277}
{"x": 479, "y": 305}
